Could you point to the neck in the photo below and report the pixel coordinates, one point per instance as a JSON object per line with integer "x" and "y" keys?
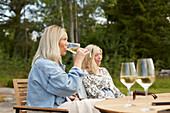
{"x": 98, "y": 71}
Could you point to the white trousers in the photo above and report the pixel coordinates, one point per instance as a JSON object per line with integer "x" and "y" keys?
{"x": 83, "y": 106}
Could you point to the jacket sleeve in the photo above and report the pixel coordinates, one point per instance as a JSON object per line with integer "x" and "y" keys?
{"x": 56, "y": 81}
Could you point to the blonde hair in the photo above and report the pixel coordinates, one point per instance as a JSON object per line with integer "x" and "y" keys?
{"x": 48, "y": 45}
{"x": 88, "y": 63}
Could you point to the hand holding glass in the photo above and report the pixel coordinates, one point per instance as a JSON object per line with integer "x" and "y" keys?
{"x": 127, "y": 77}
{"x": 145, "y": 76}
{"x": 73, "y": 47}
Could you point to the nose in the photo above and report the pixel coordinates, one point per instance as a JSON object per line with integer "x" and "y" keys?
{"x": 99, "y": 57}
{"x": 66, "y": 43}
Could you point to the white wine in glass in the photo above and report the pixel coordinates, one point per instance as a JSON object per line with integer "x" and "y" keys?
{"x": 73, "y": 47}
{"x": 145, "y": 76}
{"x": 128, "y": 77}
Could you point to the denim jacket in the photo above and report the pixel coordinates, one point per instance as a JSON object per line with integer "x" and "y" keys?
{"x": 49, "y": 84}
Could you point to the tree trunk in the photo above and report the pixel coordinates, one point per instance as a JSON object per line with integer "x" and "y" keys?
{"x": 71, "y": 21}
{"x": 76, "y": 22}
{"x": 61, "y": 13}
{"x": 83, "y": 17}
{"x": 71, "y": 25}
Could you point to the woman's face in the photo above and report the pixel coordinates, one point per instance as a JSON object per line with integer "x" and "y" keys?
{"x": 63, "y": 44}
{"x": 98, "y": 57}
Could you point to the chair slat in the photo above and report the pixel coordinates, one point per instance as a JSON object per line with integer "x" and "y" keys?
{"x": 23, "y": 94}
{"x": 22, "y": 85}
{"x": 21, "y": 80}
{"x": 23, "y": 98}
{"x": 22, "y": 89}
{"x": 24, "y": 111}
{"x": 23, "y": 103}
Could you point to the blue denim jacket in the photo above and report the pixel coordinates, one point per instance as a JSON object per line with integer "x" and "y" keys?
{"x": 49, "y": 84}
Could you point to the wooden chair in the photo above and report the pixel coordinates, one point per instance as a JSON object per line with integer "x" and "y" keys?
{"x": 20, "y": 86}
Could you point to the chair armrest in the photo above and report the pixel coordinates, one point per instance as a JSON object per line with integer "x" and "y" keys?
{"x": 39, "y": 109}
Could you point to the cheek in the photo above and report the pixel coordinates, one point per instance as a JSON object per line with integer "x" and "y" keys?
{"x": 61, "y": 44}
{"x": 101, "y": 58}
{"x": 95, "y": 59}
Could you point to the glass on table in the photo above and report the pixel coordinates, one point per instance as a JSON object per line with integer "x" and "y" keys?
{"x": 145, "y": 77}
{"x": 127, "y": 77}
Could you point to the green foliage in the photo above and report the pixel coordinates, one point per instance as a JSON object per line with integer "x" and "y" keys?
{"x": 134, "y": 29}
{"x": 68, "y": 61}
{"x": 142, "y": 29}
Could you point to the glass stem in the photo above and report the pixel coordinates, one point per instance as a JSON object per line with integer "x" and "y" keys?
{"x": 146, "y": 94}
{"x": 128, "y": 95}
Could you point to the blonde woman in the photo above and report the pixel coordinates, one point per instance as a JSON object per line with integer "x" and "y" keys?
{"x": 48, "y": 83}
{"x": 98, "y": 82}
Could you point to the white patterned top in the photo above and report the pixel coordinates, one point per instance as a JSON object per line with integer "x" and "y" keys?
{"x": 100, "y": 85}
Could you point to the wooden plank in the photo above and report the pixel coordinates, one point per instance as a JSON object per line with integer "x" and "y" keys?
{"x": 22, "y": 80}
{"x": 23, "y": 103}
{"x": 22, "y": 85}
{"x": 16, "y": 92}
{"x": 23, "y": 94}
{"x": 41, "y": 109}
{"x": 22, "y": 90}
{"x": 23, "y": 98}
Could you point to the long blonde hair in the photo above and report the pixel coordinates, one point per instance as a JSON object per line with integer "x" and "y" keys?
{"x": 88, "y": 63}
{"x": 48, "y": 45}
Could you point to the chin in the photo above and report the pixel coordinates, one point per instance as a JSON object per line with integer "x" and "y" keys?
{"x": 98, "y": 64}
{"x": 63, "y": 54}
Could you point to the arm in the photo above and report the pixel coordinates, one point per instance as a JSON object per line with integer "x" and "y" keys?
{"x": 55, "y": 80}
{"x": 114, "y": 89}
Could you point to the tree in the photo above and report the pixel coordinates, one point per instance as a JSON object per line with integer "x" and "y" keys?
{"x": 142, "y": 28}
{"x": 14, "y": 23}
{"x": 71, "y": 28}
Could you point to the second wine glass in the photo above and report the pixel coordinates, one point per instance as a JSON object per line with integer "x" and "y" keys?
{"x": 145, "y": 76}
{"x": 127, "y": 77}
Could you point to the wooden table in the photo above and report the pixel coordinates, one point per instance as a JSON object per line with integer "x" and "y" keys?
{"x": 117, "y": 105}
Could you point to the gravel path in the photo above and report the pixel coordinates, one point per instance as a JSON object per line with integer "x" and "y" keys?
{"x": 6, "y": 105}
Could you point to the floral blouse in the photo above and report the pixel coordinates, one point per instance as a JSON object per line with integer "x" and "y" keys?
{"x": 100, "y": 85}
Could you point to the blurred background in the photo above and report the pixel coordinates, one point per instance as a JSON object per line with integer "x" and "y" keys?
{"x": 126, "y": 30}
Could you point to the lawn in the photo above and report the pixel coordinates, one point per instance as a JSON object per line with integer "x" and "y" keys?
{"x": 161, "y": 85}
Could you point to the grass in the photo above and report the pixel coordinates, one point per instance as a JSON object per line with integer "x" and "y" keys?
{"x": 161, "y": 85}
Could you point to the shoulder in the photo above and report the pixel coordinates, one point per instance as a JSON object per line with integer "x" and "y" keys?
{"x": 43, "y": 63}
{"x": 103, "y": 69}
{"x": 89, "y": 76}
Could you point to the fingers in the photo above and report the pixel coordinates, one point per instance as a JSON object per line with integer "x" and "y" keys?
{"x": 80, "y": 54}
{"x": 85, "y": 51}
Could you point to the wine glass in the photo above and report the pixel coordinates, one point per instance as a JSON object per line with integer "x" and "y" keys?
{"x": 127, "y": 77}
{"x": 145, "y": 76}
{"x": 73, "y": 47}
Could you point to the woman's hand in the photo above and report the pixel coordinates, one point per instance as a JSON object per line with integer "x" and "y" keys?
{"x": 80, "y": 54}
{"x": 72, "y": 98}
